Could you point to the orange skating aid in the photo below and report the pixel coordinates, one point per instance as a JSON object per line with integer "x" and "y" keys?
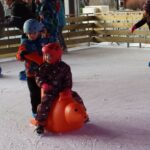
{"x": 66, "y": 115}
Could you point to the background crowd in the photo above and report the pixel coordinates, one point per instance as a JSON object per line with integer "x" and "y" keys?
{"x": 51, "y": 13}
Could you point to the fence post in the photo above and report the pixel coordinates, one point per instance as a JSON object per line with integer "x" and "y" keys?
{"x": 7, "y": 29}
{"x": 88, "y": 30}
{"x": 68, "y": 29}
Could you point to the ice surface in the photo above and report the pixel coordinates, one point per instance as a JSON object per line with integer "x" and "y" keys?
{"x": 114, "y": 83}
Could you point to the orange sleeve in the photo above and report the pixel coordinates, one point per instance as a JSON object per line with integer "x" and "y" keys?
{"x": 35, "y": 57}
{"x": 20, "y": 50}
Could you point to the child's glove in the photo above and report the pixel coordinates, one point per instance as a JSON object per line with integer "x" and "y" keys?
{"x": 46, "y": 87}
{"x": 23, "y": 53}
{"x": 133, "y": 28}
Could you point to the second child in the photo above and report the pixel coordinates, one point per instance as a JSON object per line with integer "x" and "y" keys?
{"x": 32, "y": 46}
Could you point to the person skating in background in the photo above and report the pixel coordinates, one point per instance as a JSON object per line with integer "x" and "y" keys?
{"x": 32, "y": 45}
{"x": 47, "y": 12}
{"x": 61, "y": 24}
{"x": 19, "y": 13}
{"x": 54, "y": 76}
{"x": 145, "y": 19}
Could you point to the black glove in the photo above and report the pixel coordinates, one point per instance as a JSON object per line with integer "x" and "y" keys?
{"x": 23, "y": 53}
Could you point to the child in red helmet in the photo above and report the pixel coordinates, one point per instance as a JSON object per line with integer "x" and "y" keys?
{"x": 54, "y": 76}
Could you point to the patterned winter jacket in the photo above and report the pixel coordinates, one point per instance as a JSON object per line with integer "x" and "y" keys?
{"x": 28, "y": 47}
{"x": 59, "y": 77}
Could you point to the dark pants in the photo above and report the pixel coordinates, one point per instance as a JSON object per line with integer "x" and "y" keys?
{"x": 35, "y": 93}
{"x": 61, "y": 39}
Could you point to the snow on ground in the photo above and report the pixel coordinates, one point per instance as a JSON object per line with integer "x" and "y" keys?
{"x": 114, "y": 83}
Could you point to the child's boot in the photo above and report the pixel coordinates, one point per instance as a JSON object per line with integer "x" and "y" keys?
{"x": 40, "y": 129}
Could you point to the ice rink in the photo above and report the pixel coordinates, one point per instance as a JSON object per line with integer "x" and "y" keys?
{"x": 114, "y": 83}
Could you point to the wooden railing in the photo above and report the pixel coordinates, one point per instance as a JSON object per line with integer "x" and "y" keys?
{"x": 115, "y": 27}
{"x": 77, "y": 30}
{"x": 9, "y": 43}
{"x": 103, "y": 27}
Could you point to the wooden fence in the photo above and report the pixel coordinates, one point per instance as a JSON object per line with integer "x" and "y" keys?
{"x": 103, "y": 27}
{"x": 77, "y": 30}
{"x": 115, "y": 27}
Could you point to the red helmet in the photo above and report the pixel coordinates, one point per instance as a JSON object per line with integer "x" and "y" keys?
{"x": 54, "y": 50}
